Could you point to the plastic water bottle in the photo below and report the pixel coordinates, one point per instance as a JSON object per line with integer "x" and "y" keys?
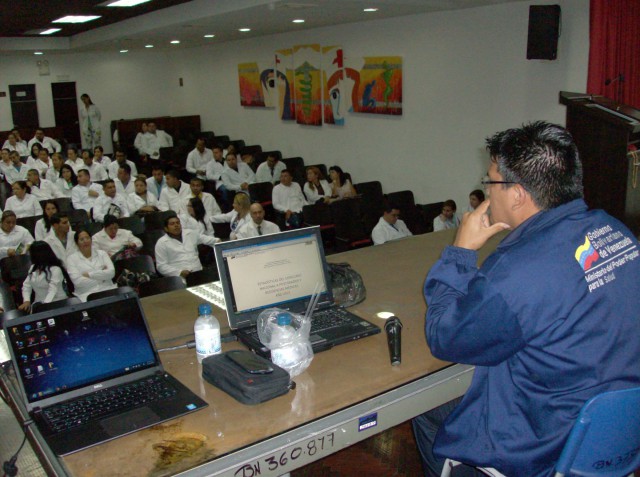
{"x": 287, "y": 336}
{"x": 207, "y": 331}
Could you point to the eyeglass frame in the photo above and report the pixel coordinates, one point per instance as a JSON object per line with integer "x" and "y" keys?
{"x": 486, "y": 183}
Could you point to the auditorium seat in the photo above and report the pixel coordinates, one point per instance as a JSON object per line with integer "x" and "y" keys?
{"x": 410, "y": 213}
{"x": 430, "y": 212}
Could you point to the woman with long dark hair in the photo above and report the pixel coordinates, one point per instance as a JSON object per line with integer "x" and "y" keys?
{"x": 68, "y": 180}
{"x": 43, "y": 226}
{"x": 341, "y": 187}
{"x": 47, "y": 277}
{"x": 197, "y": 218}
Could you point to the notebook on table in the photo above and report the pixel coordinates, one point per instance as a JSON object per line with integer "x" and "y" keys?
{"x": 90, "y": 373}
{"x": 282, "y": 271}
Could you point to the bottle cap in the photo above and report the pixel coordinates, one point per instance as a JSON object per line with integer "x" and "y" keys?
{"x": 284, "y": 319}
{"x": 204, "y": 309}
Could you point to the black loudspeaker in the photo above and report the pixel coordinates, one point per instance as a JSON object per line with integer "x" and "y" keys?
{"x": 544, "y": 30}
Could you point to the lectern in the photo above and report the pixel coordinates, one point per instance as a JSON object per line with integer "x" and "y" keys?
{"x": 604, "y": 131}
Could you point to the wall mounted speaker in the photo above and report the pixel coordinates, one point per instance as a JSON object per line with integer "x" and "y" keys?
{"x": 544, "y": 30}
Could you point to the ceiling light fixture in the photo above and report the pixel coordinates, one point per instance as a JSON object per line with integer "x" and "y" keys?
{"x": 125, "y": 3}
{"x": 175, "y": 42}
{"x": 244, "y": 30}
{"x": 370, "y": 10}
{"x": 38, "y": 53}
{"x": 76, "y": 19}
{"x": 148, "y": 46}
{"x": 209, "y": 36}
{"x": 50, "y": 31}
{"x": 124, "y": 51}
{"x": 298, "y": 20}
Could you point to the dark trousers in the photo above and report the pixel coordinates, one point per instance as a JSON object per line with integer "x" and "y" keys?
{"x": 425, "y": 428}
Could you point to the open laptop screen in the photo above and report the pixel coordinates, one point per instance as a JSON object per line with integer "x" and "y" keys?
{"x": 276, "y": 270}
{"x": 61, "y": 350}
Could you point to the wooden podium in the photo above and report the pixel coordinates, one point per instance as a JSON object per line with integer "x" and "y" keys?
{"x": 603, "y": 131}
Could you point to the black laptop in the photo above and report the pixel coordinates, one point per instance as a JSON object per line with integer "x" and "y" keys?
{"x": 90, "y": 373}
{"x": 282, "y": 271}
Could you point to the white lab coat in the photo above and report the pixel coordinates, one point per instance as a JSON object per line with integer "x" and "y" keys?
{"x": 19, "y": 235}
{"x": 99, "y": 268}
{"x": 101, "y": 207}
{"x": 171, "y": 199}
{"x": 198, "y": 162}
{"x": 62, "y": 252}
{"x": 288, "y": 198}
{"x": 112, "y": 245}
{"x": 173, "y": 256}
{"x": 80, "y": 196}
{"x": 46, "y": 290}
{"x": 385, "y": 232}
{"x": 29, "y": 206}
{"x": 265, "y": 174}
{"x": 250, "y": 229}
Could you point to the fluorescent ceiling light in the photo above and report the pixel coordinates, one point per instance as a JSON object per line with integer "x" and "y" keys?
{"x": 298, "y": 20}
{"x": 175, "y": 42}
{"x": 244, "y": 29}
{"x": 76, "y": 19}
{"x": 148, "y": 46}
{"x": 124, "y": 51}
{"x": 370, "y": 10}
{"x": 38, "y": 53}
{"x": 50, "y": 31}
{"x": 126, "y": 3}
{"x": 209, "y": 36}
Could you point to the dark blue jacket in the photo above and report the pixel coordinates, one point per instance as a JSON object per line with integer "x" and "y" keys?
{"x": 551, "y": 319}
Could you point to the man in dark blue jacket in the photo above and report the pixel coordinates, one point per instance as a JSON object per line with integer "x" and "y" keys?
{"x": 550, "y": 319}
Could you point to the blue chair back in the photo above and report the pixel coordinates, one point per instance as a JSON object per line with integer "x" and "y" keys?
{"x": 605, "y": 440}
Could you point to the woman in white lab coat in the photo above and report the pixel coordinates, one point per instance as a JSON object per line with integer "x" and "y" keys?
{"x": 90, "y": 118}
{"x": 90, "y": 269}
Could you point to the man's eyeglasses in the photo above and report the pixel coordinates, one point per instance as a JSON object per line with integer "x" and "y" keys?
{"x": 486, "y": 182}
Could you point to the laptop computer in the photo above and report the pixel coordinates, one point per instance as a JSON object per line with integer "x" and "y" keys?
{"x": 282, "y": 271}
{"x": 90, "y": 373}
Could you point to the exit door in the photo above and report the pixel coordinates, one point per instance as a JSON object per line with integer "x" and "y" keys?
{"x": 65, "y": 110}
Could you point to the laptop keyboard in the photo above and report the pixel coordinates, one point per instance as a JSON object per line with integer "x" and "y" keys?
{"x": 322, "y": 320}
{"x": 101, "y": 403}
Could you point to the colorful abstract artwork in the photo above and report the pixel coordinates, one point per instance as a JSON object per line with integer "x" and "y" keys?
{"x": 307, "y": 84}
{"x": 251, "y": 93}
{"x": 332, "y": 75}
{"x": 281, "y": 84}
{"x": 380, "y": 88}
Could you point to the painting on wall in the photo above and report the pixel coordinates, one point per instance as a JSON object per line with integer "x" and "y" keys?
{"x": 251, "y": 93}
{"x": 307, "y": 85}
{"x": 281, "y": 84}
{"x": 380, "y": 85}
{"x": 332, "y": 76}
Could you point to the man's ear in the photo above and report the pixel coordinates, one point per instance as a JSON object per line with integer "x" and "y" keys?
{"x": 519, "y": 196}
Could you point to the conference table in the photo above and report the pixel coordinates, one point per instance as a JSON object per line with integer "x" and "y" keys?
{"x": 347, "y": 394}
